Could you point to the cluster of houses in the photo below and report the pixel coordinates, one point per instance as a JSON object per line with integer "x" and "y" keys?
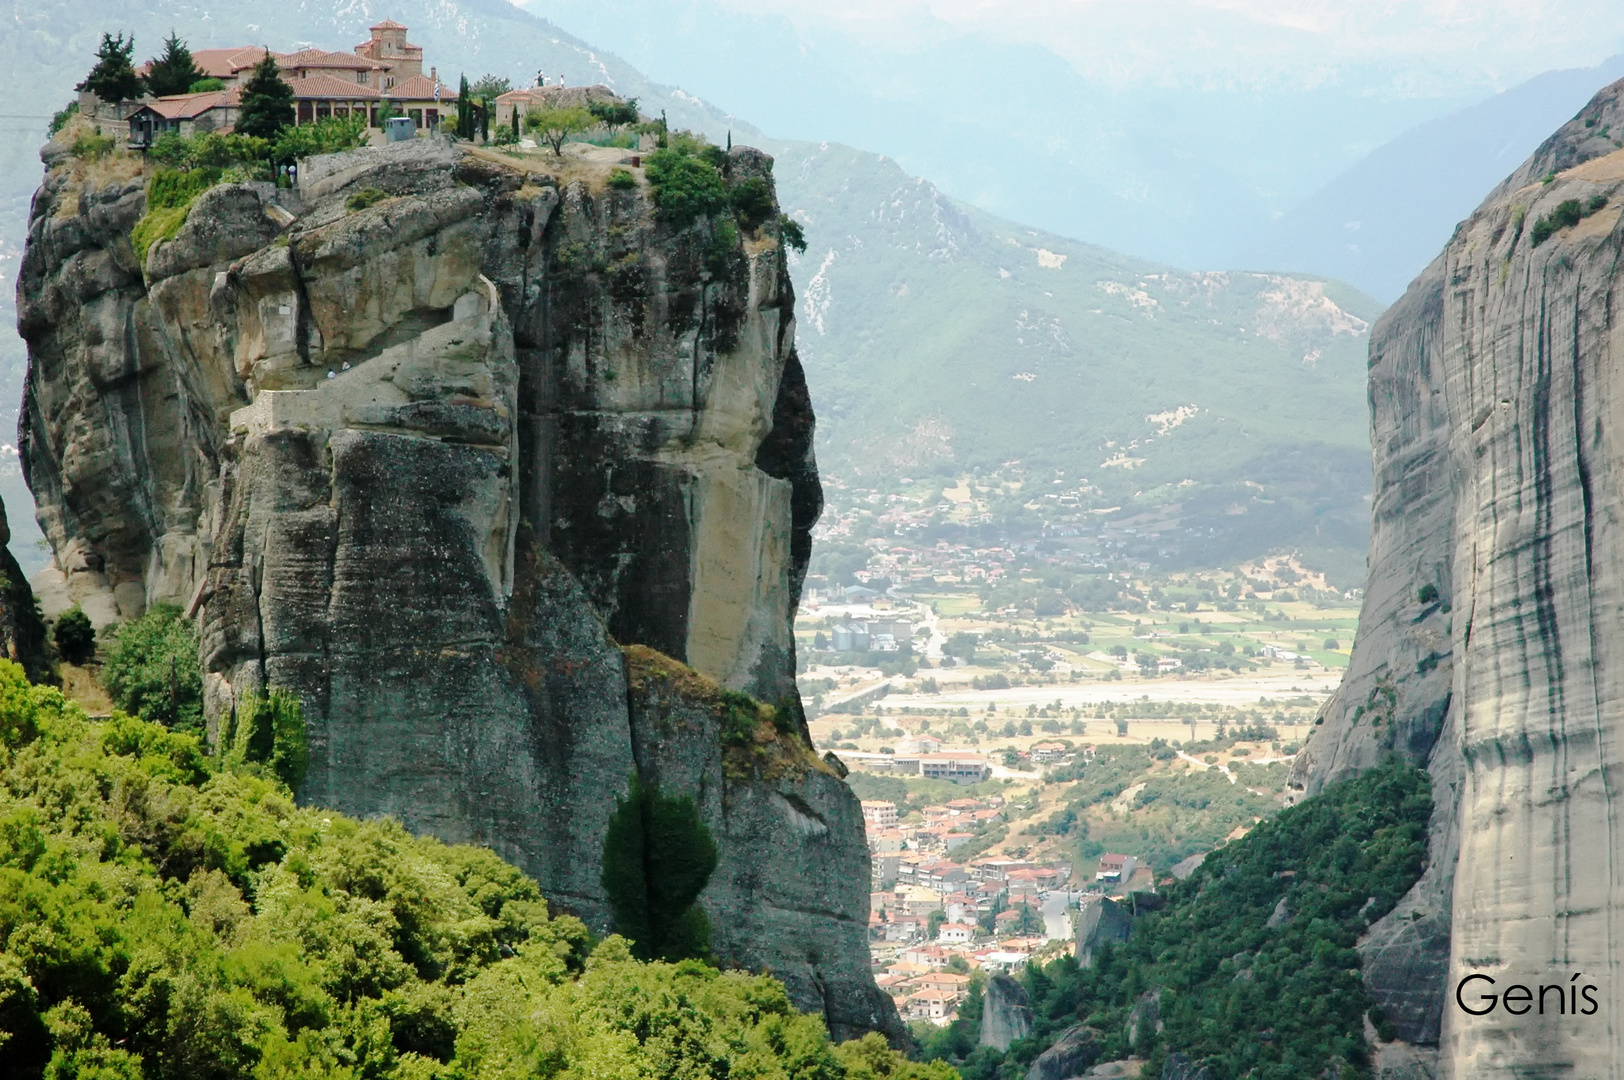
{"x": 932, "y": 920}
{"x": 909, "y": 958}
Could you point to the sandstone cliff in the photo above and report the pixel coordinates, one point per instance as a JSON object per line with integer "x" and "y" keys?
{"x": 1493, "y": 609}
{"x": 432, "y": 459}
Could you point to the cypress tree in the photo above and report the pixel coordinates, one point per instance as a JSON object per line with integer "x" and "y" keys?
{"x": 267, "y": 101}
{"x": 113, "y": 79}
{"x": 465, "y": 111}
{"x": 657, "y": 857}
{"x": 175, "y": 71}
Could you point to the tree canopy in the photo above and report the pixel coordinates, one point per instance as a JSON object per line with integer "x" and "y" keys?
{"x": 555, "y": 126}
{"x": 152, "y": 670}
{"x": 174, "y": 71}
{"x": 267, "y": 101}
{"x": 113, "y": 79}
{"x": 166, "y": 914}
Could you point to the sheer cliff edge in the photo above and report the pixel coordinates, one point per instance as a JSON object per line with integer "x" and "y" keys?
{"x": 1490, "y": 643}
{"x": 505, "y": 476}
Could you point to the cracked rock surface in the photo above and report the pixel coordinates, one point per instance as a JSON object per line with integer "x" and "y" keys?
{"x": 505, "y": 477}
{"x": 1494, "y": 611}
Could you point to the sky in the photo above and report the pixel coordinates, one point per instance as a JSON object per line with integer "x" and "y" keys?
{"x": 1403, "y": 47}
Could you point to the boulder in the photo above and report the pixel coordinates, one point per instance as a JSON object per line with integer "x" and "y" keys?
{"x": 1006, "y": 1015}
{"x": 1076, "y": 1049}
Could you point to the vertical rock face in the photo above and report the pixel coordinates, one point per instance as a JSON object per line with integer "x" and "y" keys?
{"x": 430, "y": 460}
{"x": 1006, "y": 1013}
{"x": 1494, "y": 611}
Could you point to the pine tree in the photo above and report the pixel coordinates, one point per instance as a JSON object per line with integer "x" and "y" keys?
{"x": 267, "y": 101}
{"x": 113, "y": 79}
{"x": 175, "y": 71}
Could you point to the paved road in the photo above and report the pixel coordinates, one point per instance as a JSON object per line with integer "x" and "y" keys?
{"x": 1057, "y": 907}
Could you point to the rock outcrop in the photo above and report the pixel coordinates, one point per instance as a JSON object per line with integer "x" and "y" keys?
{"x": 1006, "y": 1013}
{"x": 1076, "y": 1049}
{"x": 1099, "y": 920}
{"x": 22, "y": 633}
{"x": 1492, "y": 613}
{"x": 508, "y": 479}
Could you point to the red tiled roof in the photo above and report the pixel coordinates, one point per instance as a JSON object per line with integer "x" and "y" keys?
{"x": 225, "y": 63}
{"x": 420, "y": 88}
{"x": 387, "y": 24}
{"x": 330, "y": 86}
{"x": 322, "y": 58}
{"x": 186, "y": 106}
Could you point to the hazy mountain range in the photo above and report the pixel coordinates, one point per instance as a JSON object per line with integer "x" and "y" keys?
{"x": 937, "y": 334}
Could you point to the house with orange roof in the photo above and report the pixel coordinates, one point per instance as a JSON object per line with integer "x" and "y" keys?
{"x": 936, "y": 1005}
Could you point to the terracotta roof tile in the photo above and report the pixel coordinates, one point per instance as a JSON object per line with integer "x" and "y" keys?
{"x": 387, "y": 24}
{"x": 330, "y": 86}
{"x": 187, "y": 106}
{"x": 420, "y": 88}
{"x": 323, "y": 58}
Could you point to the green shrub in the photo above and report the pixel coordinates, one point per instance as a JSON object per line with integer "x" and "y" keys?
{"x": 366, "y": 197}
{"x": 685, "y": 187}
{"x": 1568, "y": 213}
{"x": 92, "y": 144}
{"x": 657, "y": 857}
{"x": 156, "y": 226}
{"x": 621, "y": 180}
{"x": 270, "y": 730}
{"x": 753, "y": 202}
{"x": 170, "y": 188}
{"x": 152, "y": 669}
{"x": 326, "y": 136}
{"x": 74, "y": 636}
{"x": 1428, "y": 592}
{"x": 60, "y": 118}
{"x": 791, "y": 233}
{"x": 203, "y": 86}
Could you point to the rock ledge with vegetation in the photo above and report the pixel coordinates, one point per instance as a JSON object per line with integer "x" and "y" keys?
{"x": 500, "y": 465}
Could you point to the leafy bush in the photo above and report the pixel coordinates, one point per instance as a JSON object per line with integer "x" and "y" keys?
{"x": 165, "y": 916}
{"x": 92, "y": 144}
{"x": 270, "y": 729}
{"x": 1568, "y": 213}
{"x": 170, "y": 188}
{"x": 685, "y": 187}
{"x": 204, "y": 86}
{"x": 152, "y": 669}
{"x": 1339, "y": 861}
{"x": 753, "y": 202}
{"x": 621, "y": 180}
{"x": 156, "y": 226}
{"x": 60, "y": 118}
{"x": 74, "y": 636}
